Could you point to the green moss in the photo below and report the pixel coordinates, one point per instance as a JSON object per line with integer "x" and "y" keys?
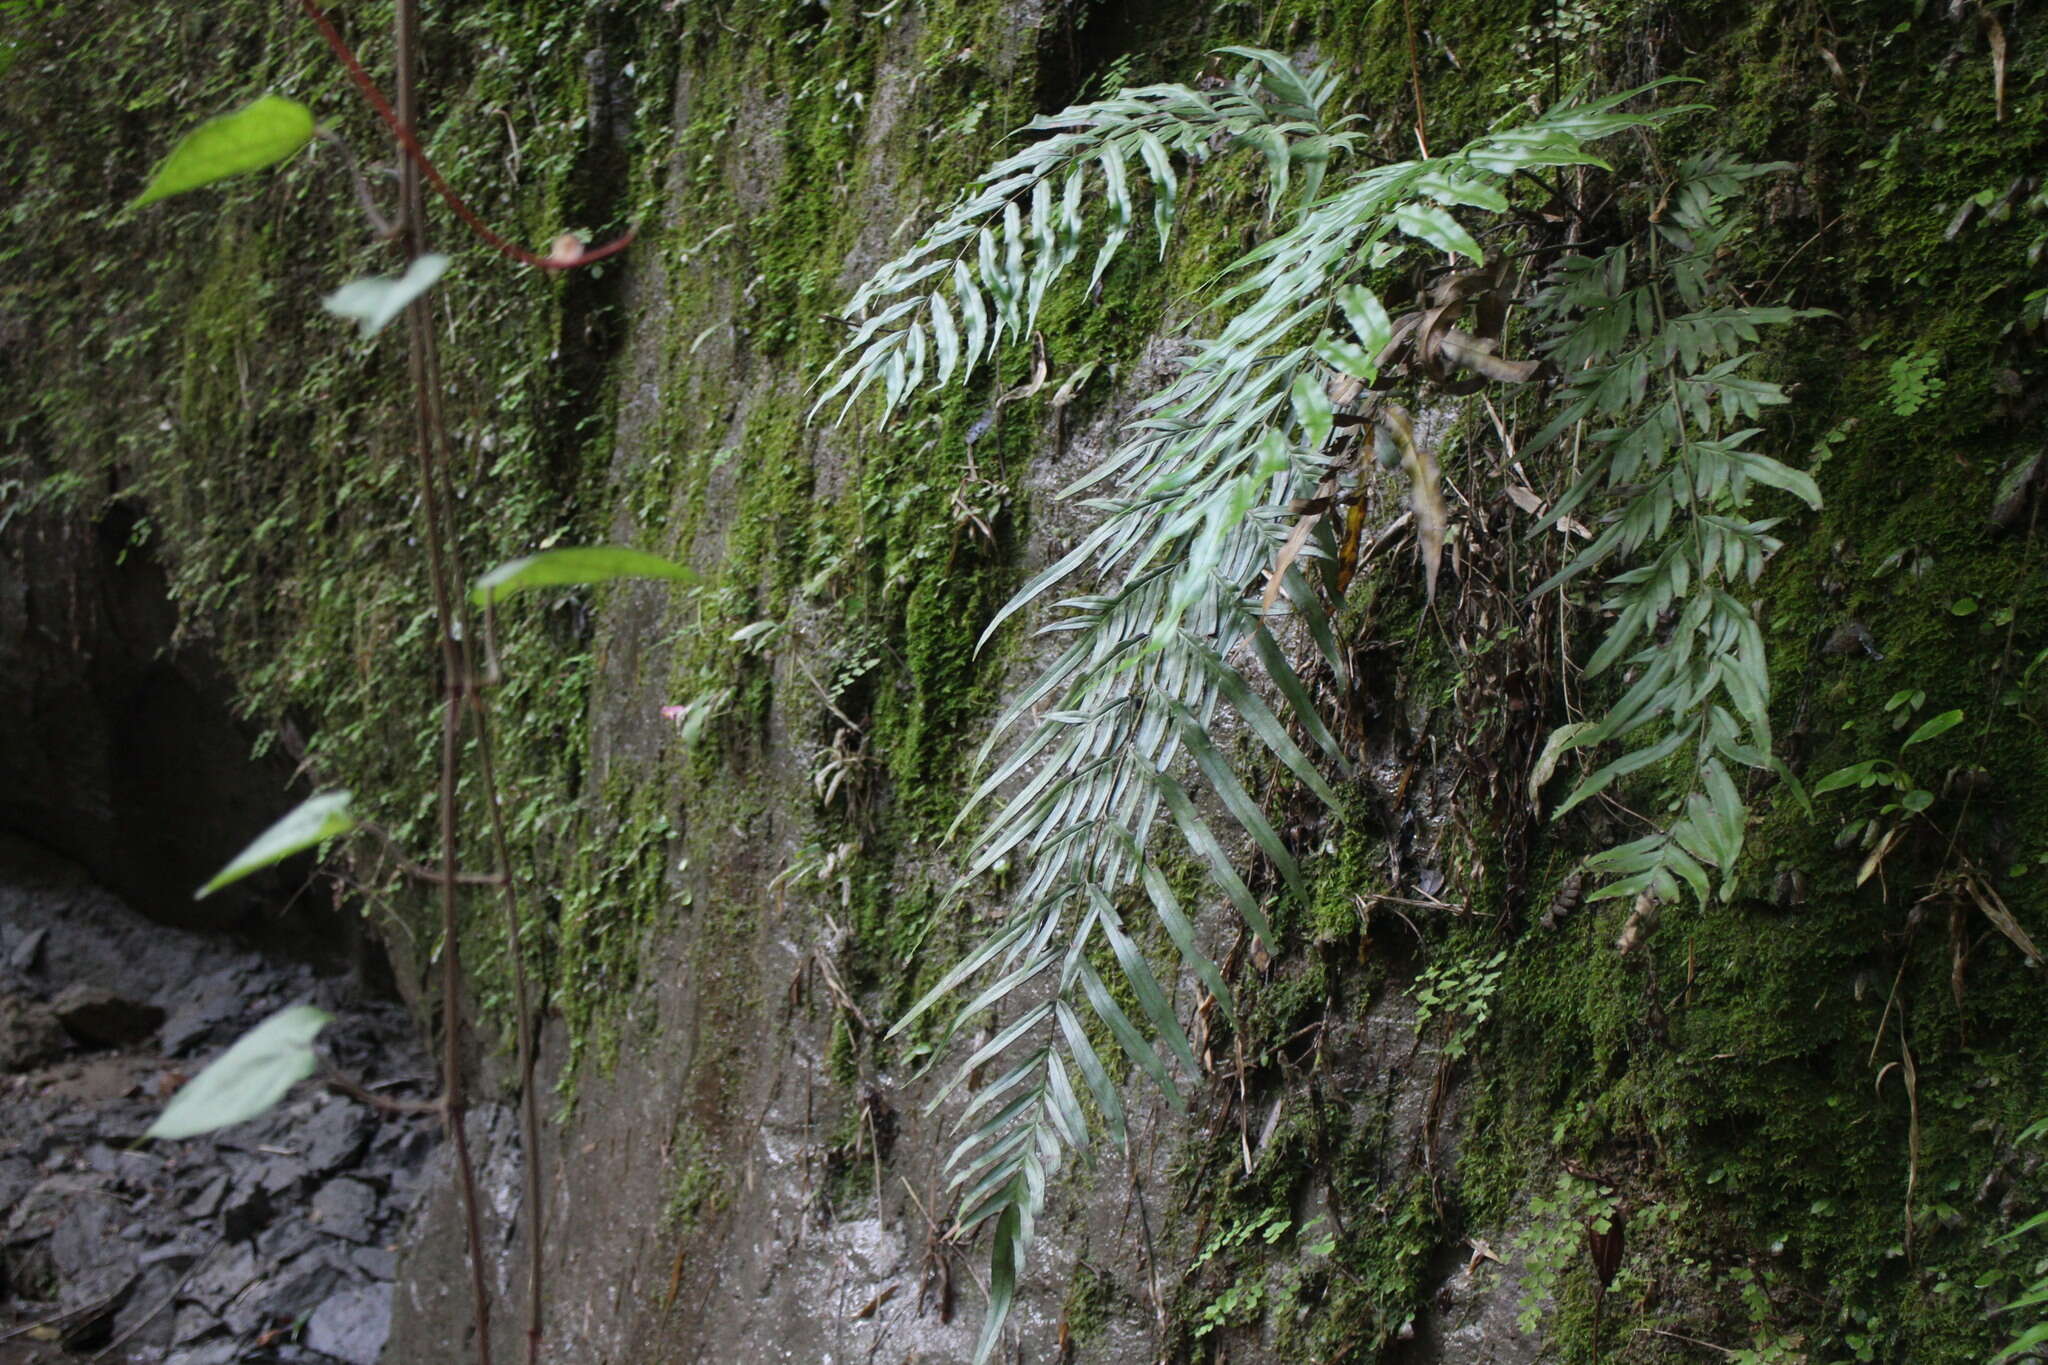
{"x": 697, "y": 1184}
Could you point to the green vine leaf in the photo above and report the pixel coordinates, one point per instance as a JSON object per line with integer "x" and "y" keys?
{"x": 375, "y": 301}
{"x": 1436, "y": 226}
{"x": 573, "y": 567}
{"x": 315, "y": 820}
{"x": 262, "y": 134}
{"x": 249, "y": 1078}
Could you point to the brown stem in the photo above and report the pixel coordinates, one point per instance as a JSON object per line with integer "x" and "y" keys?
{"x": 401, "y": 128}
{"x": 420, "y": 330}
{"x": 1414, "y": 78}
{"x": 383, "y": 1104}
{"x": 529, "y": 1106}
{"x": 451, "y": 1023}
{"x": 472, "y": 692}
{"x": 420, "y": 871}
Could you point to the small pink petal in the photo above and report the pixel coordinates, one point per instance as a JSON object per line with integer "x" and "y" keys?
{"x": 673, "y": 712}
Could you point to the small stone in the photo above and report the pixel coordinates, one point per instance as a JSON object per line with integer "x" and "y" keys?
{"x": 207, "y": 1201}
{"x": 177, "y": 1255}
{"x": 192, "y": 1025}
{"x": 221, "y": 1279}
{"x": 247, "y": 1313}
{"x": 222, "y": 1352}
{"x": 82, "y": 1240}
{"x": 346, "y": 1208}
{"x": 283, "y": 1175}
{"x": 93, "y": 1014}
{"x": 191, "y": 1322}
{"x": 17, "y": 1178}
{"x": 145, "y": 1317}
{"x": 352, "y": 1326}
{"x": 287, "y": 1238}
{"x": 379, "y": 1263}
{"x": 334, "y": 1136}
{"x": 304, "y": 1284}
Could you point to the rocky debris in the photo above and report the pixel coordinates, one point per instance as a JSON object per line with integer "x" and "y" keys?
{"x": 352, "y": 1326}
{"x": 270, "y": 1241}
{"x": 93, "y": 1014}
{"x": 30, "y": 1035}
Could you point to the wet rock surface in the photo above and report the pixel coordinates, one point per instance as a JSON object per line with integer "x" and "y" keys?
{"x": 269, "y": 1241}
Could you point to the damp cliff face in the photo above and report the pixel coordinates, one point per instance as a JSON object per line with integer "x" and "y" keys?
{"x": 742, "y": 1168}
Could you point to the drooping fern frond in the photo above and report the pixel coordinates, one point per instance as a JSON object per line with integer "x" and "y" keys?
{"x": 1654, "y": 345}
{"x": 983, "y": 269}
{"x": 1192, "y": 510}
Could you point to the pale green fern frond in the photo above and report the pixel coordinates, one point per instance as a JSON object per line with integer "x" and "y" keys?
{"x": 981, "y": 272}
{"x": 1190, "y": 506}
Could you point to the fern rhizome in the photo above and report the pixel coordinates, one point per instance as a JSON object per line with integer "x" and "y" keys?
{"x": 1225, "y": 524}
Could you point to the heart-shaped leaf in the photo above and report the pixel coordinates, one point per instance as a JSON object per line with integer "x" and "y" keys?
{"x": 249, "y": 139}
{"x": 248, "y": 1078}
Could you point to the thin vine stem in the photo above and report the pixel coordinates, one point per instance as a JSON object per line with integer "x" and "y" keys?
{"x": 402, "y": 128}
{"x": 420, "y": 332}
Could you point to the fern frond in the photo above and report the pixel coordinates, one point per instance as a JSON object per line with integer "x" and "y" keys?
{"x": 1656, "y": 392}
{"x": 990, "y": 260}
{"x": 1191, "y": 507}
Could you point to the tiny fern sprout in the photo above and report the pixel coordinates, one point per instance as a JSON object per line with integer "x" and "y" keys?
{"x": 1212, "y": 525}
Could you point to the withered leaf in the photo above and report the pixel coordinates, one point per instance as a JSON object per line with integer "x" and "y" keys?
{"x": 1425, "y": 492}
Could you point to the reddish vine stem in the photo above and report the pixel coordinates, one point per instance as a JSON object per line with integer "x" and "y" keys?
{"x": 401, "y": 128}
{"x": 458, "y": 662}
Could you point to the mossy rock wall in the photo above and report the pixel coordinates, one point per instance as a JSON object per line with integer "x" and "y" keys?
{"x": 740, "y": 1167}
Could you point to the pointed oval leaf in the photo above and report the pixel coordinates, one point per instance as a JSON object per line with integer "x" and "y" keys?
{"x": 375, "y": 301}
{"x": 1563, "y": 738}
{"x": 247, "y": 1079}
{"x": 262, "y": 134}
{"x": 1312, "y": 409}
{"x": 318, "y": 818}
{"x": 1938, "y": 726}
{"x": 563, "y": 568}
